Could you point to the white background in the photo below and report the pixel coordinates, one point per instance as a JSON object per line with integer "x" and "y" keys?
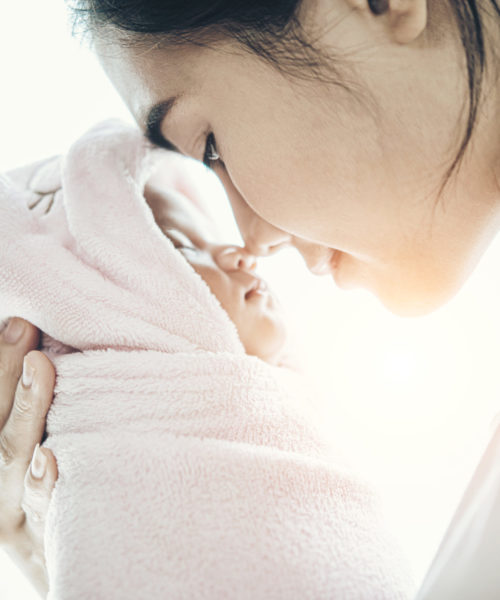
{"x": 410, "y": 400}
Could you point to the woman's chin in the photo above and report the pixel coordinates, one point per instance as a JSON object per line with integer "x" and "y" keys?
{"x": 405, "y": 291}
{"x": 409, "y": 299}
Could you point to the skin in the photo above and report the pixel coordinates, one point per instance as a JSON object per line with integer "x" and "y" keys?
{"x": 309, "y": 163}
{"x": 228, "y": 270}
{"x": 313, "y": 164}
{"x": 27, "y": 478}
{"x": 24, "y": 498}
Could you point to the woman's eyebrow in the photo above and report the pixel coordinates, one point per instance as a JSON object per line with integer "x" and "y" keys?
{"x": 154, "y": 120}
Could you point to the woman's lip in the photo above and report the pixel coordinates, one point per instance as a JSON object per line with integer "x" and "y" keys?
{"x": 327, "y": 265}
{"x": 334, "y": 261}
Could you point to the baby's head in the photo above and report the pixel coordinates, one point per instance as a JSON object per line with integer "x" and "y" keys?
{"x": 228, "y": 270}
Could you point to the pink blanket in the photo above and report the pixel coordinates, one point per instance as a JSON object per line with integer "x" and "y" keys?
{"x": 187, "y": 470}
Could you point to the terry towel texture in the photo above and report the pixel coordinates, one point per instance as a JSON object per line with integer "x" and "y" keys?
{"x": 186, "y": 470}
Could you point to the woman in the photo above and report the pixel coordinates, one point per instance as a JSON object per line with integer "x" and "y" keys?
{"x": 365, "y": 133}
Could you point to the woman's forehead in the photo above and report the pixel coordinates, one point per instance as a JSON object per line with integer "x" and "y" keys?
{"x": 144, "y": 78}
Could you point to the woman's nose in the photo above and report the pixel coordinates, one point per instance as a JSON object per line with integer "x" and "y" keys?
{"x": 260, "y": 237}
{"x": 234, "y": 258}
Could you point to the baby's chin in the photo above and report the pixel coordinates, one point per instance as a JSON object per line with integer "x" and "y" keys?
{"x": 267, "y": 340}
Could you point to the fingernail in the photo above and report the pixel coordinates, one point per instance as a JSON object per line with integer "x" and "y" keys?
{"x": 28, "y": 373}
{"x": 14, "y": 331}
{"x": 38, "y": 463}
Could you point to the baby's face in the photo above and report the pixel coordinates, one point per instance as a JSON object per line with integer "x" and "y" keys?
{"x": 228, "y": 271}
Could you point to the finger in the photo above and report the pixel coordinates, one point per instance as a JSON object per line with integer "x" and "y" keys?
{"x": 17, "y": 339}
{"x": 26, "y": 423}
{"x": 38, "y": 486}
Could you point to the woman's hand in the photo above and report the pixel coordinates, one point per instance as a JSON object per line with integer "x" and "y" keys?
{"x": 26, "y": 483}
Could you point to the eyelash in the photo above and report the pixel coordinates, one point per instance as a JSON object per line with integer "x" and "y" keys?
{"x": 177, "y": 244}
{"x": 211, "y": 156}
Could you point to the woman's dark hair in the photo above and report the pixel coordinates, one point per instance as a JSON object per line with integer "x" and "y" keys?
{"x": 271, "y": 30}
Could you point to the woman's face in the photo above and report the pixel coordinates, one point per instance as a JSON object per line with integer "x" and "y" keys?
{"x": 350, "y": 173}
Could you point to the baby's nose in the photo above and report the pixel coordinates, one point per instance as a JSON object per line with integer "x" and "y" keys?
{"x": 232, "y": 258}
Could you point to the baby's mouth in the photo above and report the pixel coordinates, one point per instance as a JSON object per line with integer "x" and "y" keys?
{"x": 258, "y": 287}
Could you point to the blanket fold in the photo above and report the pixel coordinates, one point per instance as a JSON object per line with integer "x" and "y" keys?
{"x": 187, "y": 469}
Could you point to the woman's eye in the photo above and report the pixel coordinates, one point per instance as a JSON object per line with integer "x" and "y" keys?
{"x": 210, "y": 155}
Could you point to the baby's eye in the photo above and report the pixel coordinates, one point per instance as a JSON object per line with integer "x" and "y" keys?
{"x": 210, "y": 155}
{"x": 179, "y": 240}
{"x": 182, "y": 247}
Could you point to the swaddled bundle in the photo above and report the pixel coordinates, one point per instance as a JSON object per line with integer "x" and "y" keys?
{"x": 185, "y": 469}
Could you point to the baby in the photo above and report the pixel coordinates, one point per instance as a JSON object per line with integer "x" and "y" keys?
{"x": 186, "y": 470}
{"x": 228, "y": 270}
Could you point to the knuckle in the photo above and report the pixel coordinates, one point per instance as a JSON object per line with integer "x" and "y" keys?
{"x": 23, "y": 402}
{"x": 6, "y": 453}
{"x": 8, "y": 366}
{"x": 33, "y": 514}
